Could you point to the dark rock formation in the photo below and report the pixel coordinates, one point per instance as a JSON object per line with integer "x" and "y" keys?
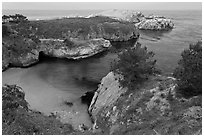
{"x": 87, "y": 97}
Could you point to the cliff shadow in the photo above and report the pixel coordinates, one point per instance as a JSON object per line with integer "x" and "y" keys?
{"x": 118, "y": 46}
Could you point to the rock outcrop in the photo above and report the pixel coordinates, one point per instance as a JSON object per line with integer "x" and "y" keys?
{"x": 155, "y": 23}
{"x": 150, "y": 109}
{"x": 142, "y": 22}
{"x": 71, "y": 49}
{"x": 108, "y": 92}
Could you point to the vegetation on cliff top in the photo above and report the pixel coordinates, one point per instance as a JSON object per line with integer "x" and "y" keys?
{"x": 189, "y": 71}
{"x": 83, "y": 28}
{"x": 17, "y": 119}
{"x": 135, "y": 64}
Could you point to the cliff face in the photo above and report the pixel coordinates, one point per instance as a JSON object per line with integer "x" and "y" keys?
{"x": 151, "y": 109}
{"x": 108, "y": 92}
{"x": 74, "y": 49}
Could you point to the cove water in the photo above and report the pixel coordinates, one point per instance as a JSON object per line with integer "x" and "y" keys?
{"x": 54, "y": 83}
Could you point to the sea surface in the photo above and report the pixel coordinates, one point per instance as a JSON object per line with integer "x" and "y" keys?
{"x": 53, "y": 83}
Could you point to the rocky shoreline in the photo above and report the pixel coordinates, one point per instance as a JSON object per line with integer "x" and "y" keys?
{"x": 142, "y": 22}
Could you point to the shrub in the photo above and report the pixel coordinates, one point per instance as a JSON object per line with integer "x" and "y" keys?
{"x": 135, "y": 64}
{"x": 189, "y": 71}
{"x": 5, "y": 30}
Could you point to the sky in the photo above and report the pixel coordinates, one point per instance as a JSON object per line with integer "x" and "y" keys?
{"x": 102, "y": 5}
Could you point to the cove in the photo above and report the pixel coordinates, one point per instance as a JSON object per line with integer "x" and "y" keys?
{"x": 52, "y": 83}
{"x": 57, "y": 85}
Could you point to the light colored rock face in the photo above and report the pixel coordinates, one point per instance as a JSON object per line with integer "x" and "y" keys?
{"x": 82, "y": 49}
{"x": 108, "y": 92}
{"x": 152, "y": 22}
{"x": 155, "y": 24}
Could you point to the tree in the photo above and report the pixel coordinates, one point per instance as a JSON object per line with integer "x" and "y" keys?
{"x": 135, "y": 64}
{"x": 189, "y": 71}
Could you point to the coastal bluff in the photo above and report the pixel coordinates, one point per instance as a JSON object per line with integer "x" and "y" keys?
{"x": 71, "y": 38}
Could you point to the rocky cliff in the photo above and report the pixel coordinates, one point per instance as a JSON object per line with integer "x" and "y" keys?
{"x": 141, "y": 21}
{"x": 152, "y": 108}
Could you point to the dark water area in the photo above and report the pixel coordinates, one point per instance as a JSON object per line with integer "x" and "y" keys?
{"x": 56, "y": 85}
